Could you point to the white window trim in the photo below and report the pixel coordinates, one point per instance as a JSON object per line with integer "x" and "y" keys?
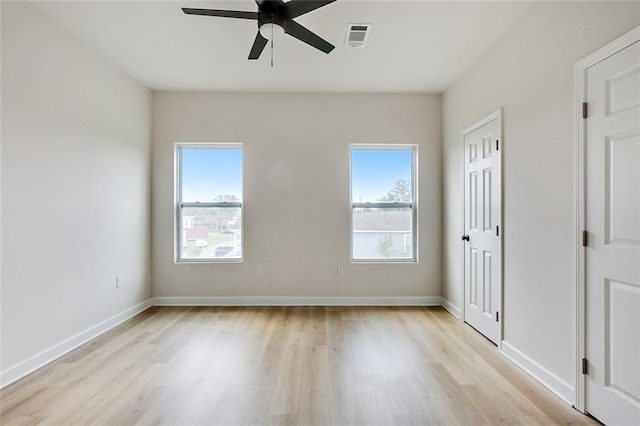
{"x": 178, "y": 204}
{"x": 413, "y": 205}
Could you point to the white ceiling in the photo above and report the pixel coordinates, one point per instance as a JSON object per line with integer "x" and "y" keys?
{"x": 414, "y": 46}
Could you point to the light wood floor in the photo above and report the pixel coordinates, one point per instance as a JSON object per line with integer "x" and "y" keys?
{"x": 285, "y": 365}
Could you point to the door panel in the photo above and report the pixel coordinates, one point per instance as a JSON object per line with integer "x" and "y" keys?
{"x": 487, "y": 197}
{"x": 621, "y": 303}
{"x": 487, "y": 280}
{"x": 482, "y": 208}
{"x": 622, "y": 90}
{"x": 473, "y": 276}
{"x": 622, "y": 181}
{"x": 473, "y": 201}
{"x": 613, "y": 222}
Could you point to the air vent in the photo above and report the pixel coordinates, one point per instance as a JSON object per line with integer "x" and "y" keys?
{"x": 357, "y": 35}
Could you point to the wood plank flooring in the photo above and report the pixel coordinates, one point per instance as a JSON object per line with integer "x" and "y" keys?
{"x": 285, "y": 366}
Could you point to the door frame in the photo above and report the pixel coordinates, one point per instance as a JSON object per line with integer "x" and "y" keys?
{"x": 496, "y": 115}
{"x": 580, "y": 127}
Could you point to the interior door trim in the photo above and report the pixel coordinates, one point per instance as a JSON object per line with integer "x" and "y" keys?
{"x": 496, "y": 115}
{"x": 580, "y": 96}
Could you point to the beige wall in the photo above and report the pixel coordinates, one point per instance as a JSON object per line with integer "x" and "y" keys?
{"x": 76, "y": 138}
{"x": 529, "y": 73}
{"x": 296, "y": 191}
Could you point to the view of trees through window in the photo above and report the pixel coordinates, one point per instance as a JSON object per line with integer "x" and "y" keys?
{"x": 401, "y": 192}
{"x": 383, "y": 205}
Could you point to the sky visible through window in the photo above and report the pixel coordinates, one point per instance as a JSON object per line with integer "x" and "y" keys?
{"x": 375, "y": 172}
{"x": 209, "y": 173}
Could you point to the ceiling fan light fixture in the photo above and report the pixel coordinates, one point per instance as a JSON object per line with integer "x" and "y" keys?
{"x": 269, "y": 28}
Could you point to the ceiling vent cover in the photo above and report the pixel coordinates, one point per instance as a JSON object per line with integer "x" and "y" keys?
{"x": 357, "y": 35}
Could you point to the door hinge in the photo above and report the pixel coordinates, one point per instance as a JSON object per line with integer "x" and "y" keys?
{"x": 497, "y": 316}
{"x": 497, "y": 231}
{"x": 585, "y": 239}
{"x": 497, "y": 145}
{"x": 585, "y": 110}
{"x": 584, "y": 366}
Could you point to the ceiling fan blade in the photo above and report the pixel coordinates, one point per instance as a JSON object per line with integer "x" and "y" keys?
{"x": 221, "y": 13}
{"x": 258, "y": 46}
{"x": 300, "y": 7}
{"x": 301, "y": 33}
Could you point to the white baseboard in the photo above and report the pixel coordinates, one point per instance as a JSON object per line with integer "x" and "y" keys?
{"x": 39, "y": 360}
{"x": 552, "y": 382}
{"x": 451, "y": 308}
{"x": 296, "y": 301}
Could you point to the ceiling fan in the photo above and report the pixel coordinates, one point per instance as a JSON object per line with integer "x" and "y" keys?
{"x": 275, "y": 16}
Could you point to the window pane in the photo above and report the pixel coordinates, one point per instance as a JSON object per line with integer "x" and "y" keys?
{"x": 382, "y": 233}
{"x": 211, "y": 174}
{"x": 381, "y": 175}
{"x": 211, "y": 233}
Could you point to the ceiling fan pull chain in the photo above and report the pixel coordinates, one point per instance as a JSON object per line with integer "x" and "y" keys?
{"x": 272, "y": 42}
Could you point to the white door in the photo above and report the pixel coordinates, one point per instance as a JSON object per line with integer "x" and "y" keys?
{"x": 613, "y": 246}
{"x": 482, "y": 210}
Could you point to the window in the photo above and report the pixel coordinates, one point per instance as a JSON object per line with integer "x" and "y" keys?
{"x": 383, "y": 203}
{"x": 208, "y": 202}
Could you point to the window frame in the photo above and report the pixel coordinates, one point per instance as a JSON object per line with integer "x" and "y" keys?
{"x": 413, "y": 205}
{"x": 179, "y": 205}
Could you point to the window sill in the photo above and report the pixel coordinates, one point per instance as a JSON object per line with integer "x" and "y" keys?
{"x": 211, "y": 261}
{"x": 383, "y": 262}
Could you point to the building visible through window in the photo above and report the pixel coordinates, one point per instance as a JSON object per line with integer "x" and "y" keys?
{"x": 209, "y": 202}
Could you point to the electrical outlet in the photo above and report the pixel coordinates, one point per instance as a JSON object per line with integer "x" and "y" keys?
{"x": 340, "y": 271}
{"x": 259, "y": 270}
{"x": 119, "y": 281}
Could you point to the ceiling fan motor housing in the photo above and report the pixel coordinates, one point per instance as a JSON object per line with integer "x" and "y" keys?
{"x": 271, "y": 12}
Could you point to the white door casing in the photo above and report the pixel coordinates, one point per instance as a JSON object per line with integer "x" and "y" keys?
{"x": 482, "y": 144}
{"x": 610, "y": 339}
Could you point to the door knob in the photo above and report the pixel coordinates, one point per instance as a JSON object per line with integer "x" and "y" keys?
{"x": 465, "y": 237}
